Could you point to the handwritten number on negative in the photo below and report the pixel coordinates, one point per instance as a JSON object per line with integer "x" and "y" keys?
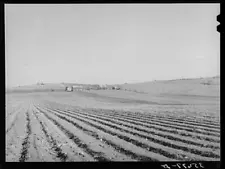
{"x": 183, "y": 165}
{"x": 165, "y": 166}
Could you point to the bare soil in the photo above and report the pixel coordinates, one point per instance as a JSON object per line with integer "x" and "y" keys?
{"x": 107, "y": 126}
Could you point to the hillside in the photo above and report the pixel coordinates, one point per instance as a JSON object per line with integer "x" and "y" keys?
{"x": 36, "y": 88}
{"x": 199, "y": 86}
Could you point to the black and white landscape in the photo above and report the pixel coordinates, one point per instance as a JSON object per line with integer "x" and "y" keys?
{"x": 116, "y": 82}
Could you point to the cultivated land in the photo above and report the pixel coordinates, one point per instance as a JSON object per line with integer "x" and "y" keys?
{"x": 154, "y": 121}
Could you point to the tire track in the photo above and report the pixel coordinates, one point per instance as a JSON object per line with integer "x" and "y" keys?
{"x": 108, "y": 142}
{"x": 96, "y": 155}
{"x": 190, "y": 150}
{"x": 52, "y": 142}
{"x": 26, "y": 142}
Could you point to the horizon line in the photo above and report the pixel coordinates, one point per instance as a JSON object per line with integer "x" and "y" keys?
{"x": 181, "y": 78}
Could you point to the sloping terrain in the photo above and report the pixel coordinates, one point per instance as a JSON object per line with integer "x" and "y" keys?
{"x": 190, "y": 91}
{"x": 170, "y": 121}
{"x": 47, "y": 129}
{"x": 197, "y": 87}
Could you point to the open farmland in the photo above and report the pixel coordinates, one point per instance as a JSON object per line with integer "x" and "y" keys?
{"x": 99, "y": 126}
{"x": 113, "y": 82}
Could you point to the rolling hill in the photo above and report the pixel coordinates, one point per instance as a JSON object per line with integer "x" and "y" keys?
{"x": 196, "y": 87}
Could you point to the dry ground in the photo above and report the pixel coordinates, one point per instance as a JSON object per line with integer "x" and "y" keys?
{"x": 61, "y": 126}
{"x": 168, "y": 125}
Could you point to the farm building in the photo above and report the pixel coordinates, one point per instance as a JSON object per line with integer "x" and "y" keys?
{"x": 41, "y": 83}
{"x": 78, "y": 87}
{"x": 116, "y": 88}
{"x": 69, "y": 89}
{"x": 95, "y": 87}
{"x": 103, "y": 87}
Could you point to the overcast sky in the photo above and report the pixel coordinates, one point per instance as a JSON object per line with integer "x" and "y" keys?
{"x": 105, "y": 44}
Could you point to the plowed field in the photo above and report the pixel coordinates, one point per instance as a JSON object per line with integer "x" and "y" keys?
{"x": 43, "y": 130}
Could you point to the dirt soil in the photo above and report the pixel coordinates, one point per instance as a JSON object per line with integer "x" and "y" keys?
{"x": 82, "y": 126}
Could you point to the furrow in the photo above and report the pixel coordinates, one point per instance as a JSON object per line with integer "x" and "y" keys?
{"x": 193, "y": 130}
{"x": 173, "y": 125}
{"x": 52, "y": 142}
{"x": 194, "y": 151}
{"x": 163, "y": 128}
{"x": 182, "y": 117}
{"x": 151, "y": 132}
{"x": 26, "y": 142}
{"x": 195, "y": 120}
{"x": 96, "y": 155}
{"x": 155, "y": 127}
{"x": 128, "y": 139}
{"x": 108, "y": 142}
{"x": 172, "y": 119}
